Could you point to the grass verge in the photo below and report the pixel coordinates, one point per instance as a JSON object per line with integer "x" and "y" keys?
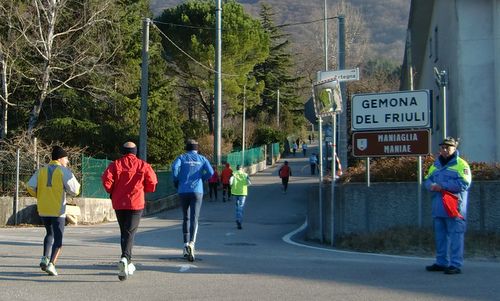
{"x": 419, "y": 242}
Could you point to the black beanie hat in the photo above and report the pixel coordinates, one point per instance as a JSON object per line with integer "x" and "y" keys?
{"x": 58, "y": 152}
{"x": 191, "y": 144}
{"x": 129, "y": 150}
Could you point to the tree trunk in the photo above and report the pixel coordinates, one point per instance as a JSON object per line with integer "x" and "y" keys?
{"x": 5, "y": 95}
{"x": 210, "y": 116}
{"x": 37, "y": 107}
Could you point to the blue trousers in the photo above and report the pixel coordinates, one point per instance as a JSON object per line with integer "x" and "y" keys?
{"x": 191, "y": 206}
{"x": 240, "y": 203}
{"x": 54, "y": 226}
{"x": 449, "y": 236}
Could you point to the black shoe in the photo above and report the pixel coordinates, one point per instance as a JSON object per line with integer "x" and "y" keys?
{"x": 238, "y": 224}
{"x": 452, "y": 270}
{"x": 435, "y": 268}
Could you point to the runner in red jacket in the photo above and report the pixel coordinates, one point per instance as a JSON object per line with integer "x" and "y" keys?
{"x": 226, "y": 174}
{"x": 127, "y": 180}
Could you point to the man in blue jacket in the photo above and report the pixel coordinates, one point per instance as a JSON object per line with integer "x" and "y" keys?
{"x": 189, "y": 170}
{"x": 449, "y": 179}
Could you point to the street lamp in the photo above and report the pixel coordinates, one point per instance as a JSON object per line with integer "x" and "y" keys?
{"x": 442, "y": 82}
{"x": 243, "y": 140}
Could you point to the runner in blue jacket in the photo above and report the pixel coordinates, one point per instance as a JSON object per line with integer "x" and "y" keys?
{"x": 189, "y": 170}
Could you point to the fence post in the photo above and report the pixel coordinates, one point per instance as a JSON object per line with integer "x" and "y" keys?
{"x": 16, "y": 197}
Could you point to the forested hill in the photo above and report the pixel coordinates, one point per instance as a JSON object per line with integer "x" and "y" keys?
{"x": 386, "y": 20}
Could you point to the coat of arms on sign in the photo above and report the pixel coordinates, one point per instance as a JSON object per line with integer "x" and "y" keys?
{"x": 362, "y": 144}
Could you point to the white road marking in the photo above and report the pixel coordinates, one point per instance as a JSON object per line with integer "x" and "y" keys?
{"x": 288, "y": 239}
{"x": 186, "y": 267}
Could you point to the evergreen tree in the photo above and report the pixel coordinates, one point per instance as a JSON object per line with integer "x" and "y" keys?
{"x": 191, "y": 26}
{"x": 277, "y": 74}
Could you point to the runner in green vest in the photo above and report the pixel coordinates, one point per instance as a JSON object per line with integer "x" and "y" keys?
{"x": 239, "y": 188}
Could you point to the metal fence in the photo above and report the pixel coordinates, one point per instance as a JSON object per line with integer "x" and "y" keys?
{"x": 245, "y": 158}
{"x": 16, "y": 169}
{"x": 92, "y": 170}
{"x": 88, "y": 171}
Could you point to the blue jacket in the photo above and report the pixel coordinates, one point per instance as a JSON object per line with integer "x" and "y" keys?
{"x": 189, "y": 170}
{"x": 454, "y": 177}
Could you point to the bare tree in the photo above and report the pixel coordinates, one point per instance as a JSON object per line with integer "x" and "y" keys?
{"x": 59, "y": 46}
{"x": 9, "y": 52}
{"x": 356, "y": 38}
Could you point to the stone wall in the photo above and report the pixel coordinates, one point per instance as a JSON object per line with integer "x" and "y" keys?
{"x": 361, "y": 209}
{"x": 92, "y": 211}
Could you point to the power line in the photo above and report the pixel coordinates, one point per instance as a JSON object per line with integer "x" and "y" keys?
{"x": 212, "y": 28}
{"x": 305, "y": 22}
{"x": 183, "y": 25}
{"x": 189, "y": 56}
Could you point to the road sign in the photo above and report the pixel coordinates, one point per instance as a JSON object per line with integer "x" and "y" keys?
{"x": 327, "y": 97}
{"x": 341, "y": 75}
{"x": 391, "y": 143}
{"x": 393, "y": 110}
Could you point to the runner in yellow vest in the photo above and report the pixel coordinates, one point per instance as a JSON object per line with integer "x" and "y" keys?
{"x": 239, "y": 188}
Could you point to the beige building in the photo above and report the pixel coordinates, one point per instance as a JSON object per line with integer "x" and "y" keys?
{"x": 462, "y": 39}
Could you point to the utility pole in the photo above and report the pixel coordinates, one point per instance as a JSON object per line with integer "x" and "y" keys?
{"x": 218, "y": 85}
{"x": 143, "y": 131}
{"x": 342, "y": 152}
{"x": 243, "y": 140}
{"x": 278, "y": 108}
{"x": 320, "y": 126}
{"x": 409, "y": 66}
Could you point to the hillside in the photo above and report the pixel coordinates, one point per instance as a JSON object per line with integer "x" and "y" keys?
{"x": 385, "y": 21}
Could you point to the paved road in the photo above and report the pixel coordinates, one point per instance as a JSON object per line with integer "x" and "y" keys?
{"x": 260, "y": 262}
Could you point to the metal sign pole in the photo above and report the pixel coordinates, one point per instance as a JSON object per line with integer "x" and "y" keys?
{"x": 320, "y": 162}
{"x": 367, "y": 171}
{"x": 333, "y": 169}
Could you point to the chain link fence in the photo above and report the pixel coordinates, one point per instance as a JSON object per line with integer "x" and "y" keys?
{"x": 88, "y": 171}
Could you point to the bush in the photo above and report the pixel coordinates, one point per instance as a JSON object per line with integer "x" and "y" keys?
{"x": 267, "y": 135}
{"x": 404, "y": 169}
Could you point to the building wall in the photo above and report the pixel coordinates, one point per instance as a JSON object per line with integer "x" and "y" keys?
{"x": 476, "y": 112}
{"x": 496, "y": 33}
{"x": 466, "y": 49}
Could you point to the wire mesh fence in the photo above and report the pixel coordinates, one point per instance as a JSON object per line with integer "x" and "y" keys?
{"x": 88, "y": 171}
{"x": 92, "y": 170}
{"x": 9, "y": 169}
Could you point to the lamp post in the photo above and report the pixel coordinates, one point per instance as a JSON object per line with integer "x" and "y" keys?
{"x": 243, "y": 140}
{"x": 278, "y": 108}
{"x": 442, "y": 81}
{"x": 218, "y": 85}
{"x": 143, "y": 131}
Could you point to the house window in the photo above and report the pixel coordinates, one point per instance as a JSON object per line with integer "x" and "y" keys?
{"x": 430, "y": 47}
{"x": 436, "y": 44}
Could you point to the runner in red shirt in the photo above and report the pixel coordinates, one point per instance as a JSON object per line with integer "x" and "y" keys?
{"x": 285, "y": 172}
{"x": 226, "y": 174}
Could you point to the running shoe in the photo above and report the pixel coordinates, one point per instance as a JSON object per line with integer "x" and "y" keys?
{"x": 131, "y": 268}
{"x": 190, "y": 251}
{"x": 51, "y": 269}
{"x": 123, "y": 269}
{"x": 44, "y": 262}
